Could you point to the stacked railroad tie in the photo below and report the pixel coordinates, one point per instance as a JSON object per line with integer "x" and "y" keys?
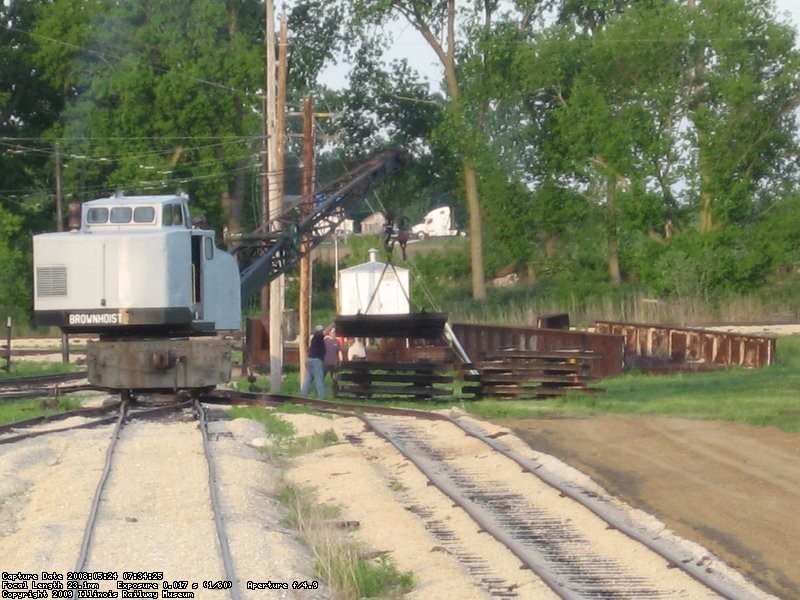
{"x": 528, "y": 374}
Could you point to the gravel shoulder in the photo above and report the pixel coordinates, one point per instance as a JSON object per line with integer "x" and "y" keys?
{"x": 732, "y": 488}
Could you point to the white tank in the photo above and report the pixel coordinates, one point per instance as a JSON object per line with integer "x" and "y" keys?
{"x": 374, "y": 288}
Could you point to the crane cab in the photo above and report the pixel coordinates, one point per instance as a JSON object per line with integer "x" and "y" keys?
{"x": 135, "y": 265}
{"x": 136, "y": 272}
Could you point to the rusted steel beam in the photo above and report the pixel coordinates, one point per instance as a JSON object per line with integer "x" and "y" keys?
{"x": 413, "y": 325}
{"x": 690, "y": 345}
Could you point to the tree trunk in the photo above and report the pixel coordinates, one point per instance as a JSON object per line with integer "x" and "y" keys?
{"x": 698, "y": 99}
{"x": 233, "y": 200}
{"x": 613, "y": 245}
{"x": 706, "y": 223}
{"x": 447, "y": 57}
{"x": 613, "y": 259}
{"x": 550, "y": 244}
{"x": 475, "y": 232}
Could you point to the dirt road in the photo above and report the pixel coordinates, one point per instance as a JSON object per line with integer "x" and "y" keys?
{"x": 733, "y": 488}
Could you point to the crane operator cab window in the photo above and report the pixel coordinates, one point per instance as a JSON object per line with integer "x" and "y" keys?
{"x": 121, "y": 215}
{"x": 172, "y": 214}
{"x": 95, "y": 216}
{"x": 144, "y": 214}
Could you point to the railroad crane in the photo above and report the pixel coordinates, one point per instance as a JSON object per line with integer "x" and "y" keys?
{"x": 159, "y": 294}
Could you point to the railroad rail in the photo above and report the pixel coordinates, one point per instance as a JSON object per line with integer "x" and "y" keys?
{"x": 544, "y": 543}
{"x": 40, "y": 380}
{"x": 91, "y": 521}
{"x": 222, "y": 536}
{"x": 521, "y": 374}
{"x": 44, "y": 425}
{"x": 36, "y": 386}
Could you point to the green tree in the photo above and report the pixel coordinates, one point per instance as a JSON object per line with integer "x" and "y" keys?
{"x": 451, "y": 29}
{"x": 743, "y": 89}
{"x": 607, "y": 107}
{"x": 15, "y": 297}
{"x": 29, "y": 106}
{"x": 315, "y": 27}
{"x": 159, "y": 96}
{"x": 603, "y": 112}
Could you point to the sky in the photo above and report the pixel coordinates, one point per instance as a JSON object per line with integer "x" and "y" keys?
{"x": 409, "y": 44}
{"x": 792, "y": 7}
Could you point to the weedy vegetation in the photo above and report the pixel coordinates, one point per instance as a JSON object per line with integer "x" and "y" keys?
{"x": 349, "y": 573}
{"x": 19, "y": 410}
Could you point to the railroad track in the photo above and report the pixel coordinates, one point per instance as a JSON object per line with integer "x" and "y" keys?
{"x": 145, "y": 504}
{"x": 35, "y": 386}
{"x": 580, "y": 544}
{"x": 131, "y": 442}
{"x": 576, "y": 552}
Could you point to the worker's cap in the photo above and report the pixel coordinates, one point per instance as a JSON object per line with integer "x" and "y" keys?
{"x": 318, "y": 328}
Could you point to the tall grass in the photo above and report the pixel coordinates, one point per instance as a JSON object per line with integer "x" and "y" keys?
{"x": 524, "y": 306}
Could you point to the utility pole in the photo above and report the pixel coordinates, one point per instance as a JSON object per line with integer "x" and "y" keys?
{"x": 59, "y": 227}
{"x": 59, "y": 191}
{"x": 274, "y": 205}
{"x": 277, "y": 289}
{"x": 280, "y": 112}
{"x": 305, "y": 259}
{"x": 269, "y": 84}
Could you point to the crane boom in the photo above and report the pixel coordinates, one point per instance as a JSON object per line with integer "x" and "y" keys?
{"x": 279, "y": 247}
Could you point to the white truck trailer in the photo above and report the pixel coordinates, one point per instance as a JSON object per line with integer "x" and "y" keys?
{"x": 438, "y": 222}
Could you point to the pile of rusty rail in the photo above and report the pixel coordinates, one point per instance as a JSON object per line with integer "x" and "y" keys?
{"x": 479, "y": 340}
{"x": 421, "y": 380}
{"x": 530, "y": 374}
